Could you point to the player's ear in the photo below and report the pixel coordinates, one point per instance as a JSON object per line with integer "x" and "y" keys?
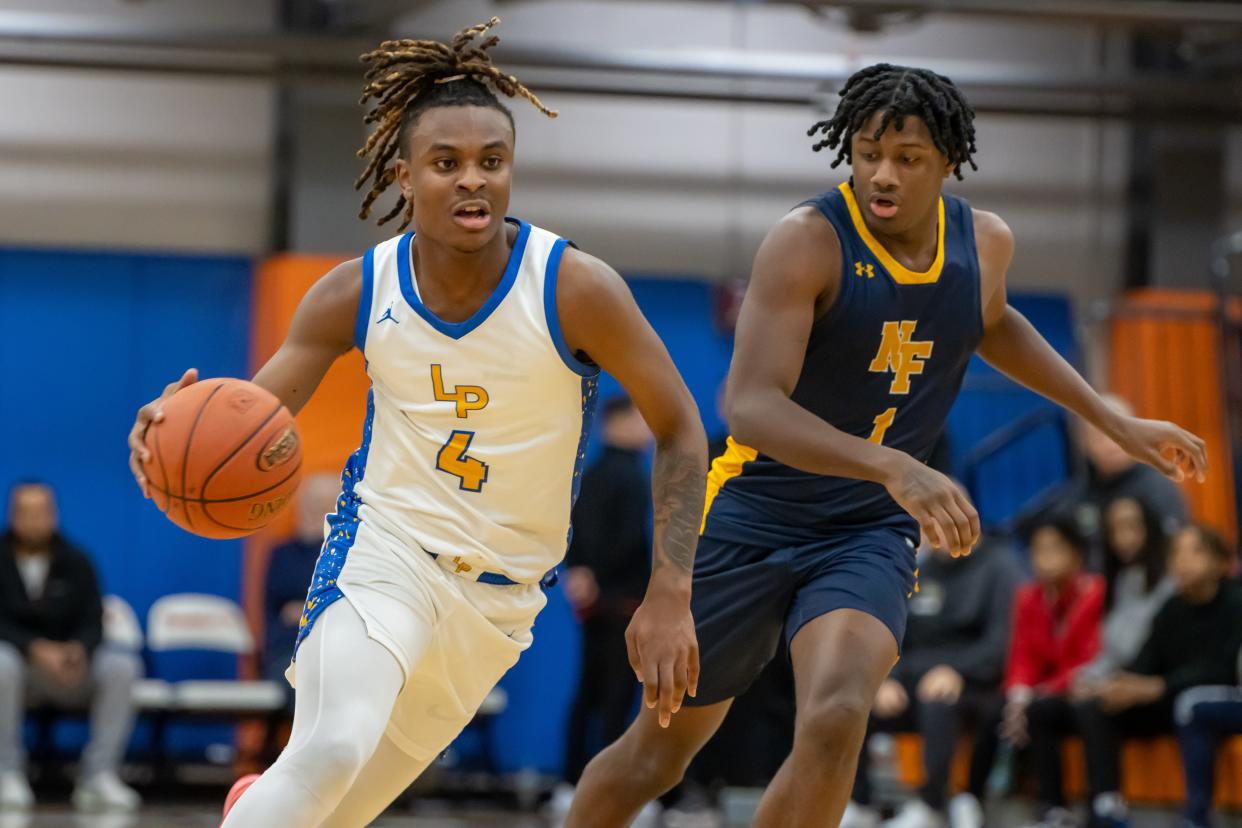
{"x": 405, "y": 178}
{"x": 949, "y": 168}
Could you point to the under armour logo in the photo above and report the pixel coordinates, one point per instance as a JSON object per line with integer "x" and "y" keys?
{"x": 867, "y": 270}
{"x": 901, "y": 355}
{"x": 388, "y": 317}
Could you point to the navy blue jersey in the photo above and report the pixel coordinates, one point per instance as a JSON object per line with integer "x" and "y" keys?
{"x": 884, "y": 363}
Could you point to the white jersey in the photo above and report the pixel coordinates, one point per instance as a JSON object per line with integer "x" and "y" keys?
{"x": 475, "y": 431}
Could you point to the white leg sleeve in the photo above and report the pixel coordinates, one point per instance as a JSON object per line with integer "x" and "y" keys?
{"x": 347, "y": 685}
{"x": 390, "y": 771}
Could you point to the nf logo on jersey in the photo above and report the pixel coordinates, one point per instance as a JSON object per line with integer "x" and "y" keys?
{"x": 901, "y": 355}
{"x": 867, "y": 270}
{"x": 467, "y": 397}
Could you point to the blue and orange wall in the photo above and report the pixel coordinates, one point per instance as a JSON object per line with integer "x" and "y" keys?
{"x": 90, "y": 336}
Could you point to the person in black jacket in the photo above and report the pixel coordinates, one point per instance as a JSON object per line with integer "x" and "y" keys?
{"x": 51, "y": 627}
{"x": 1195, "y": 640}
{"x": 952, "y": 664}
{"x": 608, "y": 566}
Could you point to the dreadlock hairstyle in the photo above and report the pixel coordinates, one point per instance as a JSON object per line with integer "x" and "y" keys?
{"x": 405, "y": 78}
{"x": 901, "y": 91}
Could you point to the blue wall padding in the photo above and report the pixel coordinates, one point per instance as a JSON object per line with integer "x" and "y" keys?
{"x": 88, "y": 337}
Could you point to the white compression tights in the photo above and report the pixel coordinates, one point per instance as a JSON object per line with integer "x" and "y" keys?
{"x": 339, "y": 770}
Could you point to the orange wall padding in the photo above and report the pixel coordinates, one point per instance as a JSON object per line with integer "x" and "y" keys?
{"x": 1165, "y": 357}
{"x": 330, "y": 424}
{"x": 1151, "y": 769}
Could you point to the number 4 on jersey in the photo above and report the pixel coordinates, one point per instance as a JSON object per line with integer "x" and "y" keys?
{"x": 453, "y": 460}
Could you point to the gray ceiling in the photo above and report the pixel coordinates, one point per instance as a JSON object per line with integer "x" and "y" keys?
{"x": 1196, "y": 76}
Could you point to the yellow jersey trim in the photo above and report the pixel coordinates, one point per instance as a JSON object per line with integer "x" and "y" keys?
{"x": 724, "y": 468}
{"x": 901, "y": 274}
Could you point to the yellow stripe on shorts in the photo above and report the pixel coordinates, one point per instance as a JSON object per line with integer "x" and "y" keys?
{"x": 725, "y": 467}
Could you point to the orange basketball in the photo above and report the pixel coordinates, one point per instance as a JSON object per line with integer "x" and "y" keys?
{"x": 225, "y": 459}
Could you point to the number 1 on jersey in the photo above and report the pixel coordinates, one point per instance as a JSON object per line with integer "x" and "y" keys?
{"x": 882, "y": 423}
{"x": 453, "y": 460}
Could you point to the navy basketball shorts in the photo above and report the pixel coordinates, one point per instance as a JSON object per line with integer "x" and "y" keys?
{"x": 744, "y": 597}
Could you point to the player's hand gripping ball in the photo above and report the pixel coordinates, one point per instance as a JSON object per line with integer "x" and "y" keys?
{"x": 224, "y": 459}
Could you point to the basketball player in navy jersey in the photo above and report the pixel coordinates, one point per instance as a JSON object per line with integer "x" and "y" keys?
{"x": 864, "y": 307}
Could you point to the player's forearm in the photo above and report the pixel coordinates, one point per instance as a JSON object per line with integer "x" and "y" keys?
{"x": 679, "y": 483}
{"x": 294, "y": 372}
{"x": 1012, "y": 346}
{"x": 773, "y": 424}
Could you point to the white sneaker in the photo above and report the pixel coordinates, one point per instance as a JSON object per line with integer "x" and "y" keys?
{"x": 916, "y": 814}
{"x": 965, "y": 812}
{"x": 859, "y": 816}
{"x": 649, "y": 817}
{"x": 105, "y": 792}
{"x": 15, "y": 793}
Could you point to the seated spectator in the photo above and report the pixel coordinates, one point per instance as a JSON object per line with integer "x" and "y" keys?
{"x": 1135, "y": 552}
{"x": 289, "y": 573}
{"x": 1204, "y": 715}
{"x": 1056, "y": 631}
{"x": 51, "y": 625}
{"x": 952, "y": 663}
{"x": 1109, "y": 473}
{"x": 1195, "y": 641}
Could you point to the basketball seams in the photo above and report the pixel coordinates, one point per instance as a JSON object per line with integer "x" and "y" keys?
{"x": 207, "y": 501}
{"x": 240, "y": 446}
{"x": 189, "y": 440}
{"x": 206, "y": 504}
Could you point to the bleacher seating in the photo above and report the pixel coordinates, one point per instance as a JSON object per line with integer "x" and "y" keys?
{"x": 197, "y": 622}
{"x": 121, "y": 629}
{"x": 1151, "y": 769}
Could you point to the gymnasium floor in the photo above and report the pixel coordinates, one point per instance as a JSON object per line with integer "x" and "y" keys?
{"x": 198, "y": 816}
{"x": 1003, "y": 814}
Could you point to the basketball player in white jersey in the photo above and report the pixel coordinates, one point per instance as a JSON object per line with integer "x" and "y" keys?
{"x": 483, "y": 337}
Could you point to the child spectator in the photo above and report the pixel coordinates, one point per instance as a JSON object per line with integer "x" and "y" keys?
{"x": 1056, "y": 631}
{"x": 1135, "y": 552}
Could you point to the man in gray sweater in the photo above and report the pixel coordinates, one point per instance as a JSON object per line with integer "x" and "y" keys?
{"x": 953, "y": 659}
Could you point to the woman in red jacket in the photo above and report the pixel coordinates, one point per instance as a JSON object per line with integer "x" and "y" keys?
{"x": 1056, "y": 631}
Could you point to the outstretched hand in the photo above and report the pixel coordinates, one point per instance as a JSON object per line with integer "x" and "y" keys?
{"x": 664, "y": 653}
{"x": 1169, "y": 448}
